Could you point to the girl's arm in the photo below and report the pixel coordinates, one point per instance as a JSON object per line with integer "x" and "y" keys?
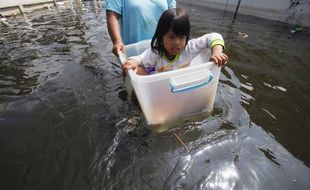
{"x": 135, "y": 66}
{"x": 217, "y": 55}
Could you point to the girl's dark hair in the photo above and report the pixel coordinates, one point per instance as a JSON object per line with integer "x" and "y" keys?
{"x": 175, "y": 19}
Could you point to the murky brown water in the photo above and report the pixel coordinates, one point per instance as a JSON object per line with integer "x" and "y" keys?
{"x": 68, "y": 120}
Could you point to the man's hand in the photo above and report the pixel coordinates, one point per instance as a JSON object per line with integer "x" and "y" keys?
{"x": 118, "y": 47}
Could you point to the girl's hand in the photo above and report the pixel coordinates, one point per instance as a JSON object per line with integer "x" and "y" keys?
{"x": 130, "y": 64}
{"x": 134, "y": 65}
{"x": 217, "y": 55}
{"x": 219, "y": 58}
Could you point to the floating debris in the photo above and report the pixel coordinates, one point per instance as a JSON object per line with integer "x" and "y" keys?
{"x": 61, "y": 115}
{"x": 120, "y": 122}
{"x": 243, "y": 35}
{"x": 180, "y": 140}
{"x": 4, "y": 21}
{"x": 275, "y": 87}
{"x": 295, "y": 30}
{"x": 269, "y": 113}
{"x": 133, "y": 120}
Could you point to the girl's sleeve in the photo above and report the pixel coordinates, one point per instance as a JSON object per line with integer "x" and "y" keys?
{"x": 215, "y": 39}
{"x": 194, "y": 46}
{"x": 171, "y": 4}
{"x": 147, "y": 60}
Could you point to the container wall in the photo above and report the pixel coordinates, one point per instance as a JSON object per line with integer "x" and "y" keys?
{"x": 160, "y": 103}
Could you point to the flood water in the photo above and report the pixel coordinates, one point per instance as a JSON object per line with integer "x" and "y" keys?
{"x": 68, "y": 120}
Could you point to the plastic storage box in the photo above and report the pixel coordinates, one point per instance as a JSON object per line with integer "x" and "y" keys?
{"x": 169, "y": 95}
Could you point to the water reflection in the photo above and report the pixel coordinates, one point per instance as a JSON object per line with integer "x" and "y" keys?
{"x": 70, "y": 120}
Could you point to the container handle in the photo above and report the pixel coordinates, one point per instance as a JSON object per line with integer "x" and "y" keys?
{"x": 190, "y": 81}
{"x": 122, "y": 57}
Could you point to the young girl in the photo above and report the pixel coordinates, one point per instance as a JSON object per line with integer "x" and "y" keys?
{"x": 171, "y": 48}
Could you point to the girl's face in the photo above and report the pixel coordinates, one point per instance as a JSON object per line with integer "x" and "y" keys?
{"x": 173, "y": 44}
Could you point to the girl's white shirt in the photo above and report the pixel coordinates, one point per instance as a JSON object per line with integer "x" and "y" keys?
{"x": 154, "y": 63}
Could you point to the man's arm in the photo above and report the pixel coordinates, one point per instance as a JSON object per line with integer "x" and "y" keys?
{"x": 115, "y": 32}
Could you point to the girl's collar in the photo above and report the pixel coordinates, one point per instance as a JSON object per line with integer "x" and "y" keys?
{"x": 173, "y": 60}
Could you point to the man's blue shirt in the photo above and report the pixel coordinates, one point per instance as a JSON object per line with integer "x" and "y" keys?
{"x": 138, "y": 17}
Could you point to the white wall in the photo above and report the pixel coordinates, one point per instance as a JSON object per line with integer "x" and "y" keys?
{"x": 262, "y": 4}
{"x": 12, "y": 3}
{"x": 281, "y": 10}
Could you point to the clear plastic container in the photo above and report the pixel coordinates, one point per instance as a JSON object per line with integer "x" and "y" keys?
{"x": 170, "y": 95}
